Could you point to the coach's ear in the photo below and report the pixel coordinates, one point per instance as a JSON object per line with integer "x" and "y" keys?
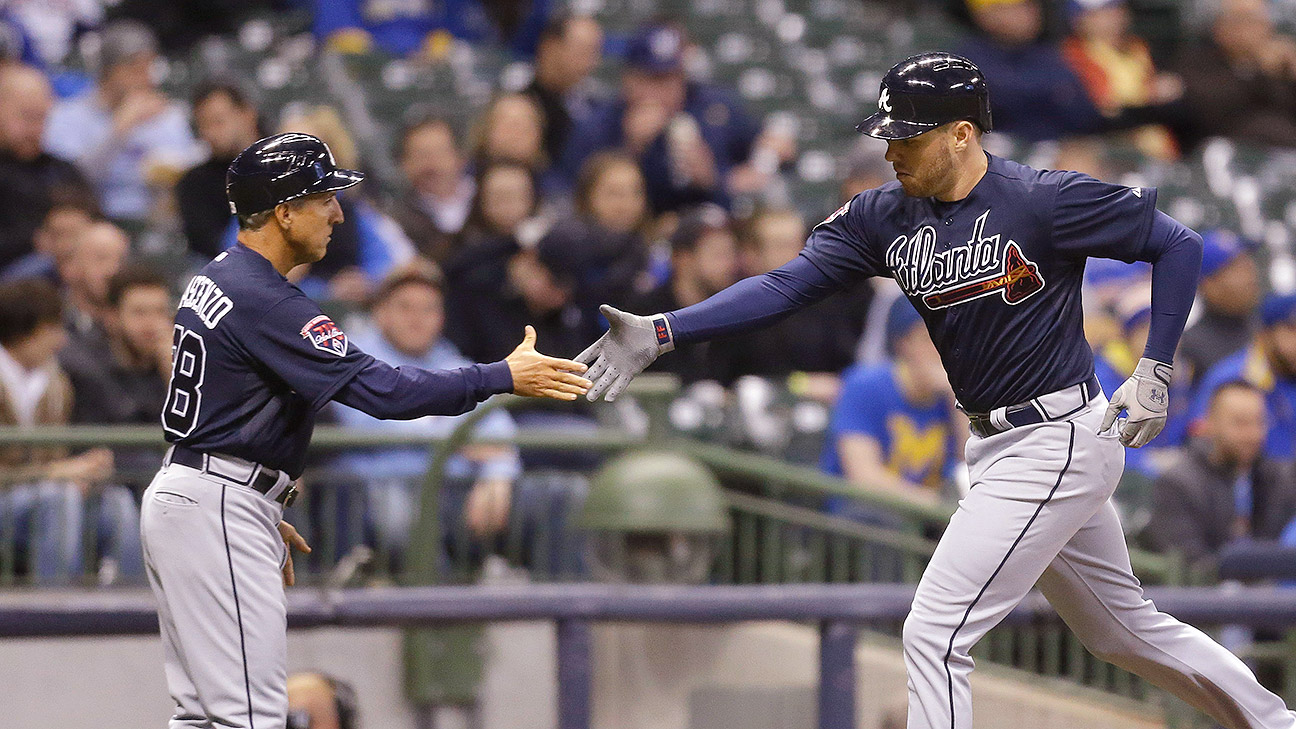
{"x": 283, "y": 214}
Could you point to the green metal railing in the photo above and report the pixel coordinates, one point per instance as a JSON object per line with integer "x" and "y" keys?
{"x": 780, "y": 535}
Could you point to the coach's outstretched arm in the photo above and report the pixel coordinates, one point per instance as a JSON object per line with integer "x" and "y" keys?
{"x": 1175, "y": 252}
{"x": 403, "y": 393}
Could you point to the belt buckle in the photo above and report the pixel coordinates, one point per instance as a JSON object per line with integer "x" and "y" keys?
{"x": 290, "y": 495}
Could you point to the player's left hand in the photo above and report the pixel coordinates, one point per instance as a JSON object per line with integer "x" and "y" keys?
{"x": 291, "y": 540}
{"x": 1145, "y": 396}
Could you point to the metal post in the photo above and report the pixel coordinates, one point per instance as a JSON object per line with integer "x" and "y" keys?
{"x": 574, "y": 673}
{"x": 836, "y": 675}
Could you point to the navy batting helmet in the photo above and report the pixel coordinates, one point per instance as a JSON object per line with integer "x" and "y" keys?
{"x": 281, "y": 168}
{"x": 925, "y": 91}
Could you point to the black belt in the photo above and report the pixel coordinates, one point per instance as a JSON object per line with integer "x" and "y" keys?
{"x": 264, "y": 481}
{"x": 1029, "y": 412}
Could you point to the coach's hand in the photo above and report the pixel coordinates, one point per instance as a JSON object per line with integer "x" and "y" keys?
{"x": 1145, "y": 396}
{"x": 292, "y": 540}
{"x": 630, "y": 344}
{"x": 539, "y": 375}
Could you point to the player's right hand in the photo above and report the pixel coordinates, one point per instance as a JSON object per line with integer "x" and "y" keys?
{"x": 1145, "y": 396}
{"x": 539, "y": 375}
{"x": 631, "y": 343}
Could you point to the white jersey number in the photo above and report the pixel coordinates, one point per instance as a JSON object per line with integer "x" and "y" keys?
{"x": 184, "y": 394}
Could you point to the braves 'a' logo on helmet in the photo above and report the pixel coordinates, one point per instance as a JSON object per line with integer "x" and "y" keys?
{"x": 884, "y": 101}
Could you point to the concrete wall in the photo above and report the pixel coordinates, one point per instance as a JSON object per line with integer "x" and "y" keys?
{"x": 748, "y": 676}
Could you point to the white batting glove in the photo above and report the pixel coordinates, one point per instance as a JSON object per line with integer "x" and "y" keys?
{"x": 1145, "y": 396}
{"x": 631, "y": 344}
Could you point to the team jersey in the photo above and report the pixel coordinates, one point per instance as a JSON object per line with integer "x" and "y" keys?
{"x": 254, "y": 358}
{"x": 996, "y": 276}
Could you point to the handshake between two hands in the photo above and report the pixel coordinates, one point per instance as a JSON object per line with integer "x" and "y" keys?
{"x": 633, "y": 342}
{"x": 609, "y": 364}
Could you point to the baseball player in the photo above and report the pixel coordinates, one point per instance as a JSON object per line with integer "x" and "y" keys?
{"x": 991, "y": 254}
{"x": 253, "y": 360}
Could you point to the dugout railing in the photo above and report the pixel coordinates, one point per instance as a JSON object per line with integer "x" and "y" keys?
{"x": 837, "y": 611}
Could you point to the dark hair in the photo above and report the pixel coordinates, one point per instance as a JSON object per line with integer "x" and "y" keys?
{"x": 480, "y": 134}
{"x": 556, "y": 27}
{"x": 25, "y": 306}
{"x": 695, "y": 224}
{"x": 1233, "y": 385}
{"x": 419, "y": 271}
{"x": 212, "y": 87}
{"x": 419, "y": 124}
{"x": 135, "y": 275}
{"x": 477, "y": 214}
{"x": 71, "y": 197}
{"x": 593, "y": 169}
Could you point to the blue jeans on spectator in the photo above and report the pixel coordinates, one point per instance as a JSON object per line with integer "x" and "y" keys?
{"x": 539, "y": 533}
{"x": 47, "y": 524}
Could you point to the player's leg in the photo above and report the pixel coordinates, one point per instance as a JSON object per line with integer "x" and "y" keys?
{"x": 1032, "y": 488}
{"x": 188, "y": 710}
{"x": 216, "y": 552}
{"x": 1091, "y": 585}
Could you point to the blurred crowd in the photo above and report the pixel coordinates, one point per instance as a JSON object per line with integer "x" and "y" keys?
{"x": 564, "y": 193}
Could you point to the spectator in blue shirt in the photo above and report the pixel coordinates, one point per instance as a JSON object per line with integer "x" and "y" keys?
{"x": 1269, "y": 364}
{"x": 690, "y": 138}
{"x": 1230, "y": 291}
{"x": 894, "y": 427}
{"x": 1037, "y": 95}
{"x": 124, "y": 132}
{"x": 407, "y": 316}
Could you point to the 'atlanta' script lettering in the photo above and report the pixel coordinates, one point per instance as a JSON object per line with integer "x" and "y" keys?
{"x": 982, "y": 267}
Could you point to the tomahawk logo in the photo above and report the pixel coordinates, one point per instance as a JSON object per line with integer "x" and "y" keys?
{"x": 884, "y": 101}
{"x": 325, "y": 335}
{"x": 986, "y": 266}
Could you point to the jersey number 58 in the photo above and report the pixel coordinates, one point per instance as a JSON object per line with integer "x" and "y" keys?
{"x": 184, "y": 395}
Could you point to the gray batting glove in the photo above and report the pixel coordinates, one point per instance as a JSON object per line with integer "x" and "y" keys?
{"x": 629, "y": 345}
{"x": 1145, "y": 396}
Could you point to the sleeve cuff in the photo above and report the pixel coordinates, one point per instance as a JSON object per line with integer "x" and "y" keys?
{"x": 497, "y": 379}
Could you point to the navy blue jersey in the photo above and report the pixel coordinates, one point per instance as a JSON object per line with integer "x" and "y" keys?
{"x": 996, "y": 275}
{"x": 254, "y": 358}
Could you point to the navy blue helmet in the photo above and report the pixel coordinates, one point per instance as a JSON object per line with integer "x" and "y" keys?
{"x": 281, "y": 168}
{"x": 925, "y": 91}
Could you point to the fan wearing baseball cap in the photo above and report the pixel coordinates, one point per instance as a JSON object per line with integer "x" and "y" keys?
{"x": 1269, "y": 363}
{"x": 694, "y": 141}
{"x": 1229, "y": 297}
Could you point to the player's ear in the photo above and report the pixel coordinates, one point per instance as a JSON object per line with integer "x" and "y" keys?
{"x": 962, "y": 135}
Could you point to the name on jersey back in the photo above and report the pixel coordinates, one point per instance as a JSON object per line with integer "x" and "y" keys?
{"x": 206, "y": 299}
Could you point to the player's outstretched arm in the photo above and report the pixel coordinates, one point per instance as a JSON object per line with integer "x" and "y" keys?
{"x": 539, "y": 375}
{"x": 631, "y": 343}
